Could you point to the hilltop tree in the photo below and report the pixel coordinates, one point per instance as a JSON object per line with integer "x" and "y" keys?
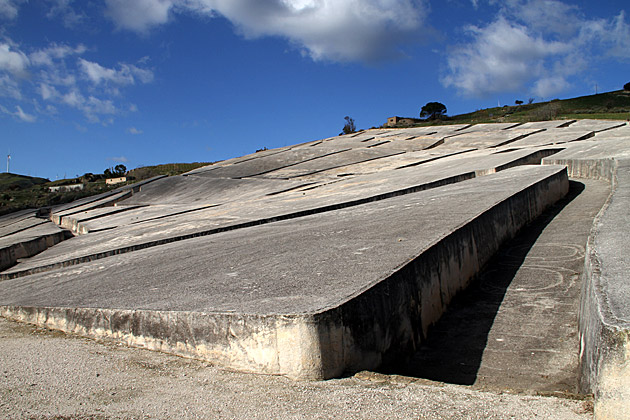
{"x": 350, "y": 127}
{"x": 117, "y": 171}
{"x": 120, "y": 170}
{"x": 433, "y": 111}
{"x": 518, "y": 102}
{"x": 626, "y": 86}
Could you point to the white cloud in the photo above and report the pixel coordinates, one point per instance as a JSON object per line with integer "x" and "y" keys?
{"x": 134, "y": 131}
{"x": 9, "y": 8}
{"x": 63, "y": 9}
{"x": 125, "y": 75}
{"x": 23, "y": 115}
{"x": 50, "y": 74}
{"x": 538, "y": 46}
{"x": 138, "y": 15}
{"x": 9, "y": 87}
{"x": 15, "y": 62}
{"x": 19, "y": 114}
{"x": 54, "y": 52}
{"x": 350, "y": 30}
{"x": 503, "y": 57}
{"x": 549, "y": 85}
{"x": 47, "y": 91}
{"x": 120, "y": 159}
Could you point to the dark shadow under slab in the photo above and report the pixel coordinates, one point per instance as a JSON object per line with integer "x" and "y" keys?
{"x": 454, "y": 349}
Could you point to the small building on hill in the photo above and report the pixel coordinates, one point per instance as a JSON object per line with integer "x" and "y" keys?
{"x": 64, "y": 188}
{"x": 114, "y": 181}
{"x": 401, "y": 121}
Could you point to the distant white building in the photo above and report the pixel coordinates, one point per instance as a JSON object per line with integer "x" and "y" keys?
{"x": 62, "y": 188}
{"x": 114, "y": 181}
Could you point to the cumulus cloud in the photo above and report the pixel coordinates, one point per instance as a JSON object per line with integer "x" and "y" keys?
{"x": 127, "y": 74}
{"x": 12, "y": 61}
{"x": 134, "y": 131}
{"x": 51, "y": 73}
{"x": 533, "y": 45}
{"x": 350, "y": 30}
{"x": 502, "y": 57}
{"x": 139, "y": 15}
{"x": 54, "y": 52}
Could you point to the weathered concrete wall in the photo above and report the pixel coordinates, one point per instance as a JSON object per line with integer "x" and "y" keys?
{"x": 388, "y": 322}
{"x": 586, "y": 168}
{"x": 269, "y": 344}
{"x": 604, "y": 316}
{"x": 29, "y": 247}
{"x": 377, "y": 325}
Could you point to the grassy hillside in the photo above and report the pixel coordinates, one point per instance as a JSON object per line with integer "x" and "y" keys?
{"x": 610, "y": 105}
{"x": 14, "y": 182}
{"x": 18, "y": 192}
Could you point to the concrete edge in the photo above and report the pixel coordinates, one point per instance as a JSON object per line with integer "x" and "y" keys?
{"x": 9, "y": 255}
{"x": 266, "y": 344}
{"x": 378, "y": 325}
{"x": 604, "y": 339}
{"x": 387, "y": 323}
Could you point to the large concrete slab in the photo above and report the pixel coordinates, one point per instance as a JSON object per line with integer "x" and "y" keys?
{"x": 348, "y": 191}
{"x": 288, "y": 273}
{"x": 323, "y": 257}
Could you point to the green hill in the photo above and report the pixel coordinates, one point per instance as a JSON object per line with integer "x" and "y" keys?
{"x": 15, "y": 182}
{"x": 604, "y": 106}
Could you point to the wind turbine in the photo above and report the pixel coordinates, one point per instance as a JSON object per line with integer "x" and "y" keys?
{"x": 8, "y": 160}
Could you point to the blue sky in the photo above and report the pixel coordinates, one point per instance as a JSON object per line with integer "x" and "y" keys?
{"x": 88, "y": 84}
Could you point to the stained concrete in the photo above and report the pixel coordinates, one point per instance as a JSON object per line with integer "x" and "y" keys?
{"x": 141, "y": 228}
{"x": 413, "y": 198}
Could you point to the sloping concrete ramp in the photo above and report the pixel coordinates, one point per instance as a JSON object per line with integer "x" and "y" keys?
{"x": 317, "y": 259}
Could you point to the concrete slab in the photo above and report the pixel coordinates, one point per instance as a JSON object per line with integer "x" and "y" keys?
{"x": 209, "y": 224}
{"x": 288, "y": 272}
{"x": 597, "y": 125}
{"x": 386, "y": 164}
{"x": 76, "y": 222}
{"x": 8, "y": 219}
{"x": 29, "y": 242}
{"x": 547, "y": 125}
{"x": 348, "y": 191}
{"x": 482, "y": 138}
{"x": 85, "y": 203}
{"x": 489, "y": 127}
{"x": 331, "y": 161}
{"x": 19, "y": 224}
{"x": 263, "y": 164}
{"x": 202, "y": 190}
{"x": 553, "y": 136}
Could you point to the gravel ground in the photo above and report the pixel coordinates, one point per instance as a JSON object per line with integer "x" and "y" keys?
{"x": 51, "y": 375}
